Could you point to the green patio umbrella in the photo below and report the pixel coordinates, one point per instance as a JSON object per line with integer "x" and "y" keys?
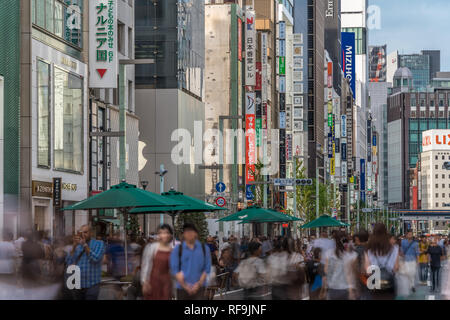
{"x": 189, "y": 204}
{"x": 324, "y": 221}
{"x": 257, "y": 214}
{"x": 123, "y": 197}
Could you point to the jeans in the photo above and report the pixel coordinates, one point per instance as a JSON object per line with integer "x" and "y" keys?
{"x": 423, "y": 272}
{"x": 435, "y": 278}
{"x": 86, "y": 293}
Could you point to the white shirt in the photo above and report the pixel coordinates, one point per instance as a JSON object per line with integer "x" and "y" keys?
{"x": 8, "y": 255}
{"x": 325, "y": 244}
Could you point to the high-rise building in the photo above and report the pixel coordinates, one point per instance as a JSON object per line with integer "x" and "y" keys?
{"x": 435, "y": 61}
{"x": 410, "y": 113}
{"x": 354, "y": 20}
{"x": 420, "y": 67}
{"x": 170, "y": 93}
{"x": 333, "y": 40}
{"x": 314, "y": 12}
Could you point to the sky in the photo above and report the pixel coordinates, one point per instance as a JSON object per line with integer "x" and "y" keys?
{"x": 410, "y": 26}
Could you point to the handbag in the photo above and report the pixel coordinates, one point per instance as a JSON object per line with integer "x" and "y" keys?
{"x": 387, "y": 278}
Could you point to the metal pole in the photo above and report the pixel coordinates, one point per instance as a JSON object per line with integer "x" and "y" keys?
{"x": 122, "y": 124}
{"x": 357, "y": 213}
{"x": 317, "y": 193}
{"x": 295, "y": 195}
{"x": 161, "y": 186}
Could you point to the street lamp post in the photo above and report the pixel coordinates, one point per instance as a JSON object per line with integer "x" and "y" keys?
{"x": 144, "y": 185}
{"x": 162, "y": 172}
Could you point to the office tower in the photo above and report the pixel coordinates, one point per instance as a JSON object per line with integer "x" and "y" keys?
{"x": 435, "y": 61}
{"x": 354, "y": 20}
{"x": 420, "y": 67}
{"x": 314, "y": 12}
{"x": 410, "y": 113}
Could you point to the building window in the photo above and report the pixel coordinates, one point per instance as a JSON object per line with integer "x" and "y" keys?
{"x": 443, "y": 186}
{"x": 443, "y": 176}
{"x": 61, "y": 18}
{"x": 443, "y": 195}
{"x": 437, "y": 186}
{"x": 68, "y": 121}
{"x": 437, "y": 195}
{"x": 437, "y": 205}
{"x": 43, "y": 83}
{"x": 436, "y": 167}
{"x": 121, "y": 38}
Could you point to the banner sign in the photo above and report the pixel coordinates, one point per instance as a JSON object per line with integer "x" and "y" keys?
{"x": 103, "y": 60}
{"x": 57, "y": 188}
{"x": 363, "y": 175}
{"x": 348, "y": 58}
{"x": 344, "y": 126}
{"x": 250, "y": 103}
{"x": 250, "y": 48}
{"x": 282, "y": 30}
{"x": 258, "y": 76}
{"x": 258, "y": 132}
{"x": 344, "y": 151}
{"x": 250, "y": 146}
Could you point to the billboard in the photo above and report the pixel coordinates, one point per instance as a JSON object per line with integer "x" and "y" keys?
{"x": 250, "y": 135}
{"x": 348, "y": 58}
{"x": 436, "y": 140}
{"x": 103, "y": 60}
{"x": 377, "y": 63}
{"x": 250, "y": 48}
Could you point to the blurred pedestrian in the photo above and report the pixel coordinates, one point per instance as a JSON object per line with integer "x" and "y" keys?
{"x": 156, "y": 280}
{"x": 423, "y": 260}
{"x": 251, "y": 273}
{"x": 190, "y": 263}
{"x": 410, "y": 252}
{"x": 8, "y": 260}
{"x": 87, "y": 253}
{"x": 360, "y": 242}
{"x": 436, "y": 255}
{"x": 33, "y": 252}
{"x": 381, "y": 253}
{"x": 325, "y": 244}
{"x": 315, "y": 273}
{"x": 277, "y": 269}
{"x": 339, "y": 277}
{"x": 115, "y": 255}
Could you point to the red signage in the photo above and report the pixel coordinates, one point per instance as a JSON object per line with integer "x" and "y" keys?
{"x": 258, "y": 76}
{"x": 250, "y": 146}
{"x": 221, "y": 202}
{"x": 285, "y": 225}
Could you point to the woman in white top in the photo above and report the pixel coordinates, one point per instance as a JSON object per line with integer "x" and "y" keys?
{"x": 383, "y": 254}
{"x": 155, "y": 271}
{"x": 339, "y": 278}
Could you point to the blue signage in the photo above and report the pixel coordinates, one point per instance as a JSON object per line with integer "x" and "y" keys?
{"x": 282, "y": 120}
{"x": 374, "y": 140}
{"x": 249, "y": 192}
{"x": 348, "y": 58}
{"x": 363, "y": 175}
{"x": 282, "y": 33}
{"x": 344, "y": 151}
{"x": 221, "y": 187}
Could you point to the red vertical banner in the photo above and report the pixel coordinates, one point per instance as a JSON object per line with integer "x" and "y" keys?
{"x": 415, "y": 195}
{"x": 250, "y": 146}
{"x": 239, "y": 23}
{"x": 258, "y": 76}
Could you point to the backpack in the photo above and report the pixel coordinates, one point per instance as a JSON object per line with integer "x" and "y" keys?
{"x": 180, "y": 254}
{"x": 387, "y": 278}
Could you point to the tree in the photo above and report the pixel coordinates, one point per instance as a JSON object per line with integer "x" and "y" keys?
{"x": 132, "y": 226}
{"x": 196, "y": 218}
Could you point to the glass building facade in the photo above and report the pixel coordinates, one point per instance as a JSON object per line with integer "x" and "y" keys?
{"x": 420, "y": 68}
{"x": 360, "y": 39}
{"x": 172, "y": 33}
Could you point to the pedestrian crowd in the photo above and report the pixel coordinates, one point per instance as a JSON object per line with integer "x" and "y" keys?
{"x": 334, "y": 266}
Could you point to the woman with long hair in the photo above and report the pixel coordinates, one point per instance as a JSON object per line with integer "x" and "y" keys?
{"x": 339, "y": 278}
{"x": 384, "y": 255}
{"x": 277, "y": 265}
{"x": 155, "y": 273}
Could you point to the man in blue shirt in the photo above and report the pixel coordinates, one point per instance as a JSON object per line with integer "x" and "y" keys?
{"x": 88, "y": 254}
{"x": 190, "y": 263}
{"x": 410, "y": 251}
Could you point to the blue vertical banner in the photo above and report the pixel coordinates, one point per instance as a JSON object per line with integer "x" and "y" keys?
{"x": 348, "y": 58}
{"x": 363, "y": 180}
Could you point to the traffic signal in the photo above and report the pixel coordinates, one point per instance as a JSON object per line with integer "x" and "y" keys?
{"x": 304, "y": 182}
